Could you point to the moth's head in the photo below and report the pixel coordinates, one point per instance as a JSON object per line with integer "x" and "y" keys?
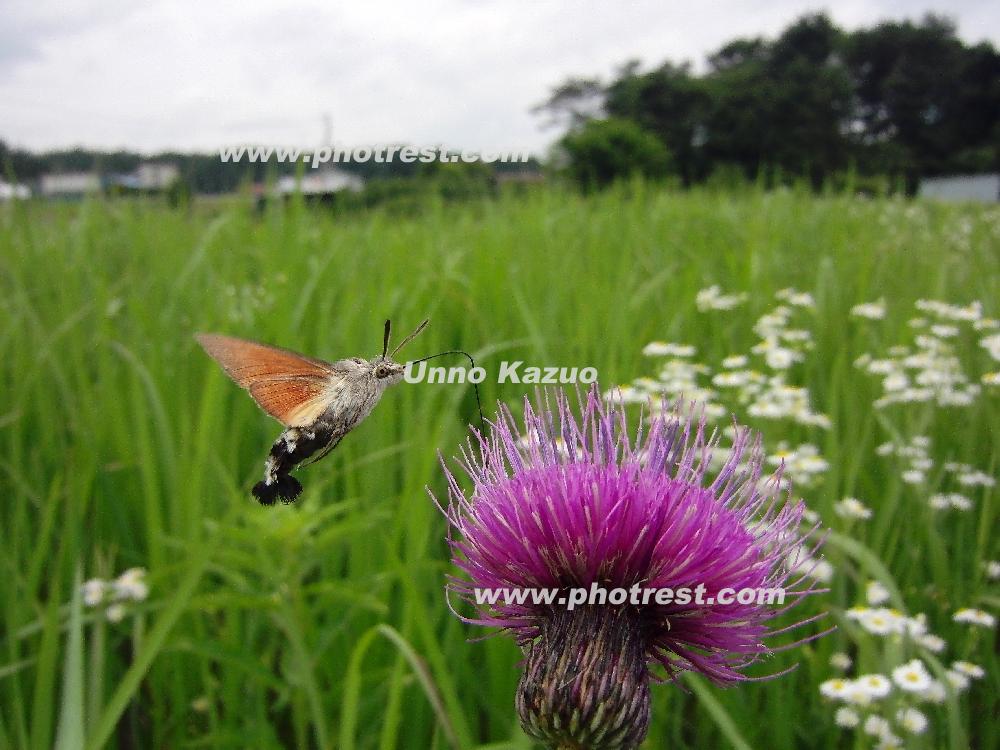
{"x": 384, "y": 369}
{"x": 386, "y": 372}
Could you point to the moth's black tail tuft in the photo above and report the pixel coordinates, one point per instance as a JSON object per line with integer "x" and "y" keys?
{"x": 286, "y": 488}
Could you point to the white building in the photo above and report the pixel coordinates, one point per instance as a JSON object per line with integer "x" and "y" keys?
{"x": 69, "y": 184}
{"x": 156, "y": 175}
{"x": 149, "y": 177}
{"x": 14, "y": 191}
{"x": 981, "y": 188}
{"x": 317, "y": 182}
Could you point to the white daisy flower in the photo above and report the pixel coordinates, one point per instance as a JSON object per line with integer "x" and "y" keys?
{"x": 664, "y": 349}
{"x": 626, "y": 394}
{"x": 969, "y": 669}
{"x": 856, "y": 613}
{"x": 840, "y": 661}
{"x": 975, "y": 617}
{"x": 858, "y": 696}
{"x": 912, "y": 720}
{"x": 837, "y": 688}
{"x": 889, "y": 741}
{"x": 781, "y": 358}
{"x": 882, "y": 621}
{"x": 731, "y": 379}
{"x": 896, "y": 381}
{"x": 938, "y": 502}
{"x": 912, "y": 676}
{"x": 992, "y": 569}
{"x": 93, "y": 592}
{"x": 992, "y": 345}
{"x": 959, "y": 501}
{"x": 131, "y": 585}
{"x": 846, "y": 717}
{"x": 957, "y": 680}
{"x": 915, "y": 626}
{"x": 876, "y": 726}
{"x": 972, "y": 478}
{"x": 876, "y": 593}
{"x": 796, "y": 298}
{"x": 115, "y": 613}
{"x": 821, "y": 570}
{"x": 874, "y": 685}
{"x": 944, "y": 331}
{"x": 870, "y": 310}
{"x": 933, "y": 643}
{"x": 945, "y": 500}
{"x": 851, "y": 507}
{"x": 935, "y": 693}
{"x": 712, "y": 298}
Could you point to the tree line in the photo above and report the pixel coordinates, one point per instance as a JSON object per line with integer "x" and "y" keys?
{"x": 901, "y": 99}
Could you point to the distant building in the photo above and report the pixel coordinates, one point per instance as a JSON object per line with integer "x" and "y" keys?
{"x": 149, "y": 177}
{"x": 69, "y": 184}
{"x": 981, "y": 188}
{"x": 317, "y": 183}
{"x": 14, "y": 191}
{"x": 156, "y": 175}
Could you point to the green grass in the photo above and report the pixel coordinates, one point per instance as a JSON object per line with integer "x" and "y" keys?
{"x": 324, "y": 624}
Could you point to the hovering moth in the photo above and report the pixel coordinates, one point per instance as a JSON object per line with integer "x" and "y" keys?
{"x": 318, "y": 402}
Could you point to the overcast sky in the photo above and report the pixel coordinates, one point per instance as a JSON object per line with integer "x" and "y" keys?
{"x": 164, "y": 74}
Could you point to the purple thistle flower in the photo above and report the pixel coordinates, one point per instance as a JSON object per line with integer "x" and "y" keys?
{"x": 570, "y": 503}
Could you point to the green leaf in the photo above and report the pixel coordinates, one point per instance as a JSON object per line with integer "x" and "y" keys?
{"x": 70, "y": 734}
{"x": 722, "y": 719}
{"x": 352, "y": 686}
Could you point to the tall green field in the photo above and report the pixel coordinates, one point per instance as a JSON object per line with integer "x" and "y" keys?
{"x": 324, "y": 624}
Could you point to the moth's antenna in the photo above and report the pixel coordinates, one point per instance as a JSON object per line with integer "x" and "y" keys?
{"x": 385, "y": 337}
{"x": 479, "y": 403}
{"x": 408, "y": 339}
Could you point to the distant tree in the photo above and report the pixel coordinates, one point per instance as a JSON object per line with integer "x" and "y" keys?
{"x": 900, "y": 99}
{"x": 602, "y": 151}
{"x": 784, "y": 104}
{"x": 738, "y": 52}
{"x": 670, "y": 103}
{"x": 573, "y": 103}
{"x": 924, "y": 101}
{"x": 18, "y": 164}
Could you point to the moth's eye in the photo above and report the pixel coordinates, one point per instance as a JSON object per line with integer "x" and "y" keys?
{"x": 381, "y": 372}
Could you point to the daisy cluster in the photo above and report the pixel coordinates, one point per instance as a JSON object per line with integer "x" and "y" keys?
{"x": 247, "y": 302}
{"x": 916, "y": 466}
{"x": 113, "y": 596}
{"x": 927, "y": 369}
{"x": 803, "y": 465}
{"x": 756, "y": 384}
{"x": 887, "y": 704}
{"x": 852, "y": 509}
{"x": 891, "y": 694}
{"x": 713, "y": 298}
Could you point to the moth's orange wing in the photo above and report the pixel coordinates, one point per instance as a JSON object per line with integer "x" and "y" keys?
{"x": 289, "y": 386}
{"x": 295, "y": 402}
